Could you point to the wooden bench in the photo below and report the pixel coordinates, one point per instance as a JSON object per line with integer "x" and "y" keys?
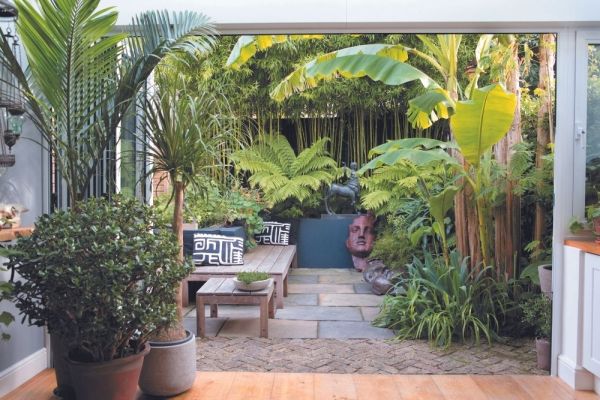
{"x": 222, "y": 291}
{"x": 274, "y": 260}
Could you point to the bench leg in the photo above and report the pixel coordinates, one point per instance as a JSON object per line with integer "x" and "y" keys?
{"x": 214, "y": 310}
{"x": 285, "y": 286}
{"x": 185, "y": 292}
{"x": 264, "y": 320}
{"x": 279, "y": 291}
{"x": 271, "y": 307}
{"x": 201, "y": 316}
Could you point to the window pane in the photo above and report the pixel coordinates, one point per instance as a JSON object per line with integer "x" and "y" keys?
{"x": 593, "y": 126}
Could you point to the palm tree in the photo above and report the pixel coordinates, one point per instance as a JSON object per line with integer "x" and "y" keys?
{"x": 82, "y": 78}
{"x": 189, "y": 138}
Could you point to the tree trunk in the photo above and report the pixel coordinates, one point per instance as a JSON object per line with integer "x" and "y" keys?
{"x": 544, "y": 121}
{"x": 176, "y": 331}
{"x": 507, "y": 216}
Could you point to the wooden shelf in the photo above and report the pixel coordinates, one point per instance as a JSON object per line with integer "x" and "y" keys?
{"x": 587, "y": 245}
{"x": 14, "y": 233}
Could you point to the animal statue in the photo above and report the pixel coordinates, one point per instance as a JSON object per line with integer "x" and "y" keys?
{"x": 10, "y": 215}
{"x": 350, "y": 190}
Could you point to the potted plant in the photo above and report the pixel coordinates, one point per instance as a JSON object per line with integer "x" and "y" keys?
{"x": 101, "y": 278}
{"x": 537, "y": 314}
{"x": 188, "y": 135}
{"x": 251, "y": 281}
{"x": 6, "y": 290}
{"x": 593, "y": 216}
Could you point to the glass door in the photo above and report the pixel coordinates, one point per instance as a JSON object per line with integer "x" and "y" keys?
{"x": 587, "y": 122}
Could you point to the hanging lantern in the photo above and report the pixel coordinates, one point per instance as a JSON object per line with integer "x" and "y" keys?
{"x": 11, "y": 98}
{"x": 8, "y": 9}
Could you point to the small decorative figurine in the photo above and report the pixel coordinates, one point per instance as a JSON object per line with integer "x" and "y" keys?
{"x": 350, "y": 190}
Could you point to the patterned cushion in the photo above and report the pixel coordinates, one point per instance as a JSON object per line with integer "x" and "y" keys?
{"x": 274, "y": 233}
{"x": 217, "y": 250}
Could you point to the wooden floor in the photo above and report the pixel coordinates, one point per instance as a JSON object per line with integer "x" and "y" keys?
{"x": 275, "y": 386}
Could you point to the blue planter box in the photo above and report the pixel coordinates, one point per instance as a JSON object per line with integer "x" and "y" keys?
{"x": 322, "y": 242}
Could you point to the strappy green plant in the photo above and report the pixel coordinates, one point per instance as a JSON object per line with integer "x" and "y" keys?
{"x": 280, "y": 173}
{"x": 444, "y": 303}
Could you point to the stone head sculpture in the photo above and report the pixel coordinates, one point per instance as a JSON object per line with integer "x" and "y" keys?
{"x": 361, "y": 237}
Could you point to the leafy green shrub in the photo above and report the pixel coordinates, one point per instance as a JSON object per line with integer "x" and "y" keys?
{"x": 6, "y": 318}
{"x": 537, "y": 314}
{"x": 284, "y": 176}
{"x": 251, "y": 276}
{"x": 393, "y": 249}
{"x": 443, "y": 302}
{"x": 102, "y": 276}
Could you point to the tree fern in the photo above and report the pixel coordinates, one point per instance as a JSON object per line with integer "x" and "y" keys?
{"x": 280, "y": 173}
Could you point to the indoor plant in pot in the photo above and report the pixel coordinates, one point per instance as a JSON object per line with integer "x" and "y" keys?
{"x": 102, "y": 277}
{"x": 537, "y": 314}
{"x": 187, "y": 136}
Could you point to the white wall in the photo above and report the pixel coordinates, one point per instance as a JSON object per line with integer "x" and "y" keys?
{"x": 408, "y": 13}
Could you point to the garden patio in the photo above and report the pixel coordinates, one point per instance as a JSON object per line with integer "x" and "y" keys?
{"x": 376, "y": 204}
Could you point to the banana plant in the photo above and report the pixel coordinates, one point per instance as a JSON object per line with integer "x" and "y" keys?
{"x": 477, "y": 125}
{"x": 82, "y": 79}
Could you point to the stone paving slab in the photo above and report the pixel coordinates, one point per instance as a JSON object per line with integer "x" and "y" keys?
{"x": 363, "y": 288}
{"x": 213, "y": 325}
{"x": 349, "y": 300}
{"x": 319, "y": 288}
{"x": 249, "y": 327}
{"x": 363, "y": 356}
{"x": 352, "y": 330}
{"x": 341, "y": 279}
{"x": 301, "y": 299}
{"x": 303, "y": 278}
{"x": 369, "y": 313}
{"x": 318, "y": 313}
{"x": 321, "y": 271}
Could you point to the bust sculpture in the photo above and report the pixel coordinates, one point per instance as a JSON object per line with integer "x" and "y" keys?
{"x": 361, "y": 237}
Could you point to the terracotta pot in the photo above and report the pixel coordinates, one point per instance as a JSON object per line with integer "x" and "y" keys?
{"x": 110, "y": 380}
{"x": 543, "y": 350}
{"x": 64, "y": 388}
{"x": 545, "y": 274}
{"x": 170, "y": 368}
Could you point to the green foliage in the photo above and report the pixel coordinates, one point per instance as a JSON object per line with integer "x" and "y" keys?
{"x": 280, "y": 174}
{"x": 103, "y": 278}
{"x": 217, "y": 205}
{"x": 251, "y": 276}
{"x": 393, "y": 247}
{"x": 443, "y": 302}
{"x": 6, "y": 292}
{"x": 537, "y": 313}
{"x": 82, "y": 78}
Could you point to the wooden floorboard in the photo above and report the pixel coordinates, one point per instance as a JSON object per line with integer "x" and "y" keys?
{"x": 281, "y": 386}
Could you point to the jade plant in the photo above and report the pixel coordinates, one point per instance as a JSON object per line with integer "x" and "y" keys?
{"x": 102, "y": 277}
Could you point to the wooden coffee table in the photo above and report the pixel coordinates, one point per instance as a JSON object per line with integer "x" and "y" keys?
{"x": 222, "y": 291}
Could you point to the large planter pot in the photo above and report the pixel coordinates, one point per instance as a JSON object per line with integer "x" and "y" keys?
{"x": 111, "y": 380}
{"x": 322, "y": 242}
{"x": 170, "y": 368}
{"x": 542, "y": 348}
{"x": 545, "y": 274}
{"x": 64, "y": 387}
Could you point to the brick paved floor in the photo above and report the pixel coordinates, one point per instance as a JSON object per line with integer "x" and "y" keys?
{"x": 326, "y": 327}
{"x": 363, "y": 356}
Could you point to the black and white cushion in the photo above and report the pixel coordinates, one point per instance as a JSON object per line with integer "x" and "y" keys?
{"x": 276, "y": 233}
{"x": 217, "y": 250}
